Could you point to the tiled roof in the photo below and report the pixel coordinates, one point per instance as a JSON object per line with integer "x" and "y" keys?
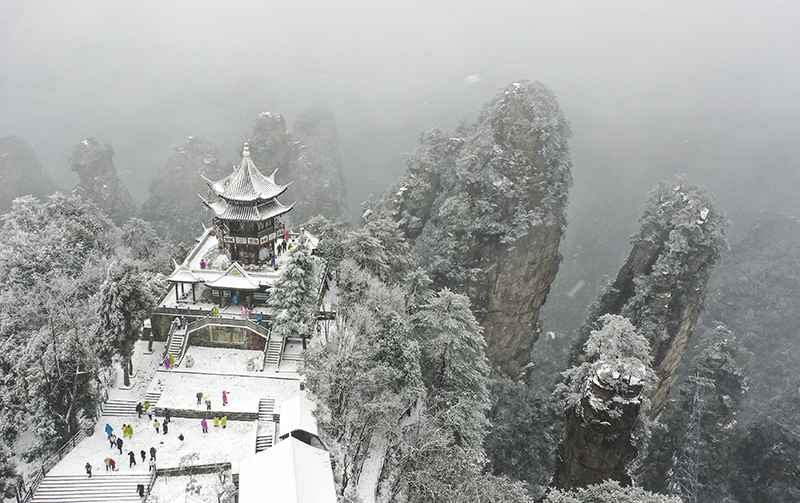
{"x": 226, "y": 211}
{"x": 246, "y": 183}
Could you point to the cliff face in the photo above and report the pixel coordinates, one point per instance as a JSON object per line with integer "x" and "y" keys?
{"x": 604, "y": 398}
{"x": 308, "y": 158}
{"x": 21, "y": 172}
{"x": 99, "y": 182}
{"x": 173, "y": 206}
{"x": 484, "y": 209}
{"x": 662, "y": 285}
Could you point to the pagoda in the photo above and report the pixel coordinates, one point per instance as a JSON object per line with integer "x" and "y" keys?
{"x": 246, "y": 211}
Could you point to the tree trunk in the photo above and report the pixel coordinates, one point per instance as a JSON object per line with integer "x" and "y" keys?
{"x": 127, "y": 366}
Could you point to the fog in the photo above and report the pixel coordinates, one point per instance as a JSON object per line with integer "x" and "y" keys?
{"x": 652, "y": 90}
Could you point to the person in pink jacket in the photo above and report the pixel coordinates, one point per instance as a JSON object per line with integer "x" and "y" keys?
{"x": 225, "y": 397}
{"x": 204, "y": 425}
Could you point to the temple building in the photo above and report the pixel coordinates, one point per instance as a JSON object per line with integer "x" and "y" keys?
{"x": 218, "y": 296}
{"x": 246, "y": 211}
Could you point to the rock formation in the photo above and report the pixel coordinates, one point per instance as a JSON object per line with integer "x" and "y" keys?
{"x": 308, "y": 158}
{"x": 99, "y": 182}
{"x": 485, "y": 208}
{"x": 21, "y": 172}
{"x": 604, "y": 399}
{"x": 173, "y": 206}
{"x": 662, "y": 285}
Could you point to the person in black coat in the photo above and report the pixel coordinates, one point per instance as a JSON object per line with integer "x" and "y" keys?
{"x": 139, "y": 409}
{"x": 131, "y": 458}
{"x": 119, "y": 445}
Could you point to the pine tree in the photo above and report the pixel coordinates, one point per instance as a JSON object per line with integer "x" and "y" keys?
{"x": 124, "y": 302}
{"x": 293, "y": 298}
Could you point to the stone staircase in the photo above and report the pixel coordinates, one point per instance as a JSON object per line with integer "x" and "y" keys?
{"x": 274, "y": 348}
{"x": 266, "y": 424}
{"x": 119, "y": 408}
{"x": 82, "y": 489}
{"x": 152, "y": 397}
{"x": 176, "y": 343}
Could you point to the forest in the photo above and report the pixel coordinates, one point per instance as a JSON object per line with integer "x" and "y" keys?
{"x": 441, "y": 382}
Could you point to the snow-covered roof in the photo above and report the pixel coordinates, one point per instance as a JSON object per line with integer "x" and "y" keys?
{"x": 297, "y": 414}
{"x": 289, "y": 472}
{"x": 247, "y": 213}
{"x": 182, "y": 274}
{"x": 246, "y": 183}
{"x": 234, "y": 278}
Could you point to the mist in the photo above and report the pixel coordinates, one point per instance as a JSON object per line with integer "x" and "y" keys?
{"x": 652, "y": 90}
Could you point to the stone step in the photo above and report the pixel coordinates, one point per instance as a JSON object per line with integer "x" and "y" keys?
{"x": 263, "y": 443}
{"x": 119, "y": 408}
{"x": 266, "y": 408}
{"x": 99, "y": 488}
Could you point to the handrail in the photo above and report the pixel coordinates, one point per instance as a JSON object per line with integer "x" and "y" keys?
{"x": 218, "y": 320}
{"x": 150, "y": 485}
{"x": 172, "y": 329}
{"x": 24, "y": 496}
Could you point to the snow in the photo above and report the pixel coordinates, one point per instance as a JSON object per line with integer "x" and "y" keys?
{"x": 215, "y": 370}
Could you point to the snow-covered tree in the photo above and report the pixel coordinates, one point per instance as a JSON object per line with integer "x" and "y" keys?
{"x": 608, "y": 492}
{"x": 124, "y": 302}
{"x": 293, "y": 297}
{"x": 604, "y": 403}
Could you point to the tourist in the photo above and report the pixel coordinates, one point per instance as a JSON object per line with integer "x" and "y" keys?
{"x": 152, "y": 464}
{"x": 171, "y": 360}
{"x": 225, "y": 397}
{"x": 130, "y": 430}
{"x": 150, "y": 413}
{"x": 153, "y": 453}
{"x": 113, "y": 464}
{"x": 167, "y": 415}
{"x": 215, "y": 310}
{"x": 204, "y": 425}
{"x": 235, "y": 299}
{"x": 89, "y": 469}
{"x": 142, "y": 454}
{"x": 109, "y": 430}
{"x": 208, "y": 401}
{"x": 164, "y": 427}
{"x": 140, "y": 490}
{"x": 146, "y": 405}
{"x": 180, "y": 437}
{"x": 199, "y": 395}
{"x": 224, "y": 421}
{"x": 166, "y": 363}
{"x": 107, "y": 461}
{"x": 245, "y": 314}
{"x": 216, "y": 422}
{"x": 119, "y": 445}
{"x": 112, "y": 440}
{"x": 131, "y": 459}
{"x": 139, "y": 409}
{"x": 202, "y": 264}
{"x": 156, "y": 425}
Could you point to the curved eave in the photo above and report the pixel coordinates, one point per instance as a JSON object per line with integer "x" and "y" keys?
{"x": 247, "y": 184}
{"x": 259, "y": 213}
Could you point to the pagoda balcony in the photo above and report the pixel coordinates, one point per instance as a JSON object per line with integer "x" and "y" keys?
{"x": 249, "y": 236}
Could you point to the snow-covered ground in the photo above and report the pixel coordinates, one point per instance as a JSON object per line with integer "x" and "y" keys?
{"x": 215, "y": 370}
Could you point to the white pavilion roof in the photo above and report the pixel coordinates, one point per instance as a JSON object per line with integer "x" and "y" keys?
{"x": 289, "y": 472}
{"x": 234, "y": 278}
{"x": 246, "y": 183}
{"x": 297, "y": 414}
{"x": 183, "y": 274}
{"x": 247, "y": 213}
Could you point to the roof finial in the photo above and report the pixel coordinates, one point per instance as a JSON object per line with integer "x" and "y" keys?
{"x": 246, "y": 151}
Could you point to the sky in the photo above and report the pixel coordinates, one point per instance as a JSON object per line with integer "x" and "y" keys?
{"x": 652, "y": 89}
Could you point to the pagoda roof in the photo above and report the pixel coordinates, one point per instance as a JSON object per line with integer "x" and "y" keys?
{"x": 244, "y": 213}
{"x": 234, "y": 278}
{"x": 183, "y": 274}
{"x": 246, "y": 183}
